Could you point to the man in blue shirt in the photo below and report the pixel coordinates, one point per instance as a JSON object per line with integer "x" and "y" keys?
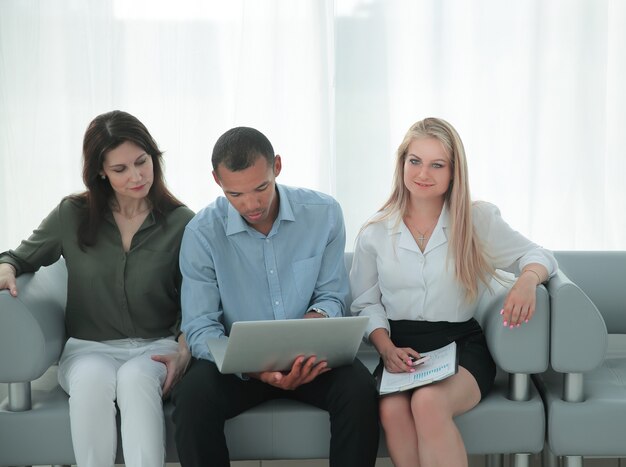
{"x": 265, "y": 251}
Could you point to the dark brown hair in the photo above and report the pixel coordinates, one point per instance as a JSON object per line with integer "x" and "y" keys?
{"x": 104, "y": 133}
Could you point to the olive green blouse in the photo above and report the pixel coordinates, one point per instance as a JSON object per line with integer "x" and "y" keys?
{"x": 111, "y": 294}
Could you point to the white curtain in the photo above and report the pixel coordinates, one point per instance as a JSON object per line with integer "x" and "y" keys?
{"x": 534, "y": 87}
{"x": 189, "y": 70}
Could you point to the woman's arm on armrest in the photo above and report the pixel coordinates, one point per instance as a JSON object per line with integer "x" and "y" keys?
{"x": 523, "y": 349}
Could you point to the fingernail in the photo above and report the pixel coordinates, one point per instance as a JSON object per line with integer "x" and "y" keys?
{"x": 526, "y": 321}
{"x": 518, "y": 325}
{"x": 511, "y": 326}
{"x": 505, "y": 323}
{"x": 502, "y": 311}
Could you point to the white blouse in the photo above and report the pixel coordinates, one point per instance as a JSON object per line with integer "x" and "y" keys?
{"x": 392, "y": 279}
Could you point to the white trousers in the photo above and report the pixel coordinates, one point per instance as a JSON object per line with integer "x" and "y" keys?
{"x": 96, "y": 375}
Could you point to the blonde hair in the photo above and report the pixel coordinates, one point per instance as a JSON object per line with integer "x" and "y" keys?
{"x": 467, "y": 254}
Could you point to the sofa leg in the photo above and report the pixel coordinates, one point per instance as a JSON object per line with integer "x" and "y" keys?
{"x": 19, "y": 397}
{"x": 548, "y": 459}
{"x": 494, "y": 460}
{"x": 573, "y": 387}
{"x": 573, "y": 461}
{"x": 519, "y": 387}
{"x": 521, "y": 460}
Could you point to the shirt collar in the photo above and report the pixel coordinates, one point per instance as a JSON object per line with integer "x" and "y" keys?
{"x": 236, "y": 224}
{"x": 440, "y": 234}
{"x": 406, "y": 240}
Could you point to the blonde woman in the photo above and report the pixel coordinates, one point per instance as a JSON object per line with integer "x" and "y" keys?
{"x": 420, "y": 266}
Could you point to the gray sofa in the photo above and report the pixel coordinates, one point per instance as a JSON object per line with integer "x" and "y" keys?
{"x": 585, "y": 389}
{"x": 34, "y": 420}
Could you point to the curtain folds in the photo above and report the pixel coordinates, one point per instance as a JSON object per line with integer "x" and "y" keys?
{"x": 535, "y": 89}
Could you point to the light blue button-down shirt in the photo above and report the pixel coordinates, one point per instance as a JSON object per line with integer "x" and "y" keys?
{"x": 232, "y": 272}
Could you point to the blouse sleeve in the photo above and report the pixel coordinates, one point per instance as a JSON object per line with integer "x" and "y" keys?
{"x": 42, "y": 248}
{"x": 364, "y": 284}
{"x": 508, "y": 249}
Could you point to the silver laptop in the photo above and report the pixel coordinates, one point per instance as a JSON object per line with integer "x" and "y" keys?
{"x": 273, "y": 345}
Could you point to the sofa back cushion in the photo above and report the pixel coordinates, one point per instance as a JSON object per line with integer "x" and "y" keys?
{"x": 602, "y": 276}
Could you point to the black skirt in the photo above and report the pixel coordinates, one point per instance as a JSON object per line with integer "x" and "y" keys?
{"x": 472, "y": 350}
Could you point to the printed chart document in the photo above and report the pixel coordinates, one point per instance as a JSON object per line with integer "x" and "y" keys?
{"x": 441, "y": 363}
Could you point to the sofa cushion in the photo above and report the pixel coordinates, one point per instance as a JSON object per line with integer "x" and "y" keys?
{"x": 594, "y": 427}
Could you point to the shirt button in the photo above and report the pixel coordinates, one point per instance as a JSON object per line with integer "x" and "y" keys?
{"x": 267, "y": 240}
{"x": 276, "y": 302}
{"x": 271, "y": 271}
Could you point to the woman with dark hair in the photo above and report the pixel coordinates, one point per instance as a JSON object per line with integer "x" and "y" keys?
{"x": 120, "y": 241}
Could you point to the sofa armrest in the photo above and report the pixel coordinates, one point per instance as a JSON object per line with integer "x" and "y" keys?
{"x": 519, "y": 350}
{"x": 32, "y": 330}
{"x": 579, "y": 337}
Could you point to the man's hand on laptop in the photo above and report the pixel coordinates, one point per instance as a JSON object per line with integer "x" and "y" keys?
{"x": 303, "y": 371}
